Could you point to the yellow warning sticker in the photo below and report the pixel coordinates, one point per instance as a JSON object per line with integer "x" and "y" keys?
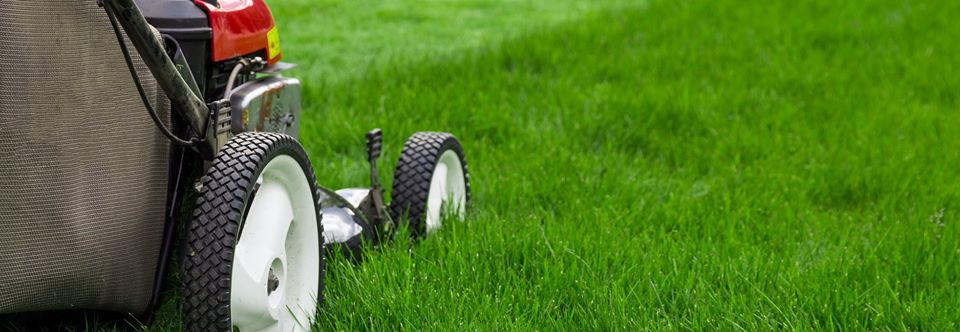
{"x": 273, "y": 43}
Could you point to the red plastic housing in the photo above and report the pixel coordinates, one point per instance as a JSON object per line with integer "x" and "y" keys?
{"x": 242, "y": 27}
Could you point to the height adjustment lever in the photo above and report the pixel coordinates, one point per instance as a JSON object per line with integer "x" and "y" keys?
{"x": 375, "y": 208}
{"x": 374, "y": 143}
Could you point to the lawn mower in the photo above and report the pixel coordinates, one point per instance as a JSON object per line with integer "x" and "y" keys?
{"x": 116, "y": 115}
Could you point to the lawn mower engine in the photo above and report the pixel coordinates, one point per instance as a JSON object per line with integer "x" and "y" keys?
{"x": 226, "y": 44}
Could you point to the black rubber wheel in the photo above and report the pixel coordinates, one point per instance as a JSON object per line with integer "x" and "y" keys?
{"x": 213, "y": 238}
{"x": 414, "y": 176}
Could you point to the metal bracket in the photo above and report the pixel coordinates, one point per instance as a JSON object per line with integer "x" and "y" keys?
{"x": 221, "y": 121}
{"x": 381, "y": 217}
{"x": 215, "y": 127}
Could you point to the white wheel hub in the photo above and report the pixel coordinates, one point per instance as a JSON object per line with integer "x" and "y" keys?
{"x": 448, "y": 190}
{"x": 276, "y": 265}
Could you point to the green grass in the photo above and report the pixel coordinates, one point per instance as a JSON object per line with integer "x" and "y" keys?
{"x": 675, "y": 165}
{"x": 340, "y": 40}
{"x": 724, "y": 165}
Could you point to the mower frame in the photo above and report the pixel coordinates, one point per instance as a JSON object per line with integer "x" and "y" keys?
{"x": 215, "y": 126}
{"x": 207, "y": 135}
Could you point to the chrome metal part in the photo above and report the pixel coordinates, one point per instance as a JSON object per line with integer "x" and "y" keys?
{"x": 342, "y": 222}
{"x": 278, "y": 67}
{"x": 267, "y": 104}
{"x": 354, "y": 195}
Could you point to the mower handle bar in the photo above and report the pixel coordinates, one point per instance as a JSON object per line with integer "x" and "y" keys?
{"x": 188, "y": 104}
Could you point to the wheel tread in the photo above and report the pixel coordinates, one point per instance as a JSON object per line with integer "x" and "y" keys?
{"x": 411, "y": 183}
{"x": 213, "y": 232}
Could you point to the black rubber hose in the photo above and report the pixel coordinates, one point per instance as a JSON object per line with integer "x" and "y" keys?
{"x": 136, "y": 80}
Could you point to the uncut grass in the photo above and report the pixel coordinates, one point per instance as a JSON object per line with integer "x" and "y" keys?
{"x": 692, "y": 165}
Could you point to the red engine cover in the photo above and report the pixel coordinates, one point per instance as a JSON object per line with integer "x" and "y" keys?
{"x": 242, "y": 27}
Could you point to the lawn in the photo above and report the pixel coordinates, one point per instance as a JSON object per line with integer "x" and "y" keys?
{"x": 663, "y": 165}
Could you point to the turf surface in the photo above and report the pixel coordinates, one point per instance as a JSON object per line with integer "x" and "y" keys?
{"x": 705, "y": 165}
{"x": 725, "y": 165}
